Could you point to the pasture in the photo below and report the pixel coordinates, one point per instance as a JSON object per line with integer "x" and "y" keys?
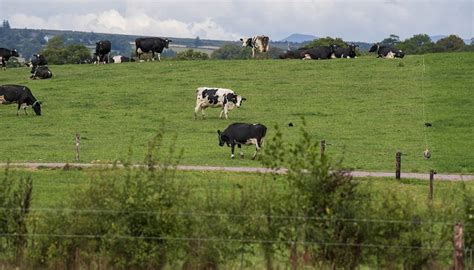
{"x": 365, "y": 108}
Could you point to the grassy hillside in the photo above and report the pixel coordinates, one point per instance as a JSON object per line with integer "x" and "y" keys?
{"x": 366, "y": 108}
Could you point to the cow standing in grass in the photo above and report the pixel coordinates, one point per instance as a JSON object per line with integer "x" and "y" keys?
{"x": 102, "y": 51}
{"x": 216, "y": 97}
{"x": 21, "y": 95}
{"x": 151, "y": 44}
{"x": 242, "y": 133}
{"x": 257, "y": 43}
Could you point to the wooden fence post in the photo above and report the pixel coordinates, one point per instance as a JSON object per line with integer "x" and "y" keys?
{"x": 78, "y": 146}
{"x": 322, "y": 147}
{"x": 430, "y": 196}
{"x": 458, "y": 247}
{"x": 398, "y": 165}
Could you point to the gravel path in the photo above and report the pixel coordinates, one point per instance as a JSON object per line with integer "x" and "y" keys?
{"x": 423, "y": 176}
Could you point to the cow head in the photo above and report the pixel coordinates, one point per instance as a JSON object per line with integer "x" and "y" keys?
{"x": 37, "y": 107}
{"x": 167, "y": 43}
{"x": 246, "y": 42}
{"x": 14, "y": 52}
{"x": 235, "y": 99}
{"x": 374, "y": 48}
{"x": 223, "y": 139}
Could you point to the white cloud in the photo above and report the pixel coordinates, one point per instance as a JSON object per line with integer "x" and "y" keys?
{"x": 136, "y": 23}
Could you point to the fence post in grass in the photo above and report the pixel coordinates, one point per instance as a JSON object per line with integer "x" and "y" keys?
{"x": 458, "y": 246}
{"x": 432, "y": 173}
{"x": 322, "y": 147}
{"x": 398, "y": 165}
{"x": 78, "y": 146}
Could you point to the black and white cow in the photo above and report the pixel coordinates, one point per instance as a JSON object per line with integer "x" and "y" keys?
{"x": 384, "y": 51}
{"x": 321, "y": 52}
{"x": 151, "y": 44}
{"x": 5, "y": 55}
{"x": 349, "y": 52}
{"x": 242, "y": 133}
{"x": 41, "y": 72}
{"x": 21, "y": 95}
{"x": 102, "y": 51}
{"x": 37, "y": 61}
{"x": 120, "y": 59}
{"x": 293, "y": 54}
{"x": 216, "y": 97}
{"x": 257, "y": 43}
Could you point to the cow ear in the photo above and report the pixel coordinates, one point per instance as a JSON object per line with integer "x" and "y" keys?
{"x": 241, "y": 39}
{"x": 219, "y": 132}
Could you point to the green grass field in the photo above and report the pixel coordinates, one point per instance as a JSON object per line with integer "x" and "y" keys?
{"x": 365, "y": 108}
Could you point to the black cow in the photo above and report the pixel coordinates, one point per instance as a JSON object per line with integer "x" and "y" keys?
{"x": 321, "y": 52}
{"x": 349, "y": 52}
{"x": 151, "y": 44}
{"x": 102, "y": 51}
{"x": 242, "y": 133}
{"x": 41, "y": 72}
{"x": 36, "y": 61}
{"x": 385, "y": 51}
{"x": 293, "y": 54}
{"x": 5, "y": 55}
{"x": 21, "y": 95}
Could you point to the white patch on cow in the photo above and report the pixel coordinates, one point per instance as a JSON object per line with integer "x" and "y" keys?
{"x": 390, "y": 55}
{"x": 333, "y": 56}
{"x": 307, "y": 57}
{"x": 203, "y": 102}
{"x": 232, "y": 156}
{"x": 117, "y": 59}
{"x": 139, "y": 51}
{"x": 3, "y": 100}
{"x": 252, "y": 141}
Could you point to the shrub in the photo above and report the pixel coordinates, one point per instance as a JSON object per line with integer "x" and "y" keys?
{"x": 192, "y": 55}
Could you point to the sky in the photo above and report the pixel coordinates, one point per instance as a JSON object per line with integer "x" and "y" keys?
{"x": 366, "y": 20}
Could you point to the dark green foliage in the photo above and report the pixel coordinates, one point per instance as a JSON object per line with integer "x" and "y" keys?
{"x": 392, "y": 40}
{"x": 451, "y": 43}
{"x": 327, "y": 41}
{"x": 58, "y": 53}
{"x": 192, "y": 55}
{"x": 15, "y": 202}
{"x": 232, "y": 51}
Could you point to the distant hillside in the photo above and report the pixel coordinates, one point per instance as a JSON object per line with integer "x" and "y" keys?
{"x": 299, "y": 38}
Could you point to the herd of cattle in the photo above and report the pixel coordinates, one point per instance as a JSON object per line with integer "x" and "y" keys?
{"x": 226, "y": 99}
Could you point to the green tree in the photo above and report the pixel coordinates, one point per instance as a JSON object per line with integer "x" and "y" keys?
{"x": 327, "y": 41}
{"x": 451, "y": 43}
{"x": 417, "y": 44}
{"x": 58, "y": 53}
{"x": 231, "y": 51}
{"x": 197, "y": 42}
{"x": 392, "y": 40}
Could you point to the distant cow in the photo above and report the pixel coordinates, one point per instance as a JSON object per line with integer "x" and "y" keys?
{"x": 348, "y": 52}
{"x": 257, "y": 43}
{"x": 151, "y": 44}
{"x": 384, "y": 51}
{"x": 36, "y": 61}
{"x": 216, "y": 97}
{"x": 5, "y": 55}
{"x": 41, "y": 72}
{"x": 21, "y": 95}
{"x": 102, "y": 51}
{"x": 120, "y": 59}
{"x": 293, "y": 54}
{"x": 321, "y": 52}
{"x": 242, "y": 133}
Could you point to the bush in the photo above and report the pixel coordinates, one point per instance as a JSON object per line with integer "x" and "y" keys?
{"x": 327, "y": 41}
{"x": 192, "y": 55}
{"x": 232, "y": 51}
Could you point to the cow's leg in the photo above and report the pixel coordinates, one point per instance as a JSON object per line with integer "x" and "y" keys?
{"x": 258, "y": 144}
{"x": 225, "y": 111}
{"x": 18, "y": 111}
{"x": 196, "y": 110}
{"x": 24, "y": 108}
{"x": 152, "y": 55}
{"x": 232, "y": 148}
{"x": 159, "y": 57}
{"x": 253, "y": 52}
{"x": 241, "y": 154}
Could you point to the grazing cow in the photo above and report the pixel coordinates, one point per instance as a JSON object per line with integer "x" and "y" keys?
{"x": 21, "y": 95}
{"x": 5, "y": 55}
{"x": 386, "y": 51}
{"x": 216, "y": 97}
{"x": 321, "y": 52}
{"x": 257, "y": 43}
{"x": 348, "y": 52}
{"x": 120, "y": 59}
{"x": 102, "y": 51}
{"x": 151, "y": 44}
{"x": 242, "y": 133}
{"x": 41, "y": 72}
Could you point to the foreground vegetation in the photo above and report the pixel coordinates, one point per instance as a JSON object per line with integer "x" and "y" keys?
{"x": 160, "y": 218}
